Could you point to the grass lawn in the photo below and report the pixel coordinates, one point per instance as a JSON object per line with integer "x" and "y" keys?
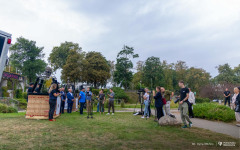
{"x": 121, "y": 131}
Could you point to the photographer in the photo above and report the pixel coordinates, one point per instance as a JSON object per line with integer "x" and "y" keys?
{"x": 111, "y": 102}
{"x": 70, "y": 99}
{"x": 146, "y": 103}
{"x": 82, "y": 99}
{"x": 183, "y": 104}
{"x": 101, "y": 98}
{"x": 88, "y": 99}
{"x": 63, "y": 98}
{"x": 52, "y": 100}
{"x": 158, "y": 102}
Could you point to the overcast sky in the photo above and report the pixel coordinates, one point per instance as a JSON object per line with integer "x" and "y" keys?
{"x": 204, "y": 33}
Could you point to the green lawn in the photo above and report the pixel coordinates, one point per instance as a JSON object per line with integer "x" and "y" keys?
{"x": 121, "y": 131}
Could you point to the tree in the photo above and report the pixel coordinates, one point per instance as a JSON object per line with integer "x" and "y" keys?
{"x": 181, "y": 69}
{"x": 153, "y": 72}
{"x": 197, "y": 78}
{"x": 73, "y": 69}
{"x": 226, "y": 74}
{"x": 123, "y": 74}
{"x": 98, "y": 69}
{"x": 27, "y": 58}
{"x": 59, "y": 54}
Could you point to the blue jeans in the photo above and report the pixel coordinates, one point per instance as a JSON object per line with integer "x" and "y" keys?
{"x": 146, "y": 111}
{"x": 98, "y": 108}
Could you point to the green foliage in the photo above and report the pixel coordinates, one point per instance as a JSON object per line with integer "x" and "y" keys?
{"x": 97, "y": 69}
{"x": 122, "y": 104}
{"x": 4, "y": 92}
{"x": 213, "y": 111}
{"x": 123, "y": 74}
{"x": 18, "y": 93}
{"x": 24, "y": 95}
{"x": 7, "y": 109}
{"x": 120, "y": 94}
{"x": 202, "y": 100}
{"x": 73, "y": 67}
{"x": 58, "y": 56}
{"x": 96, "y": 91}
{"x": 226, "y": 74}
{"x": 28, "y": 58}
{"x": 22, "y": 103}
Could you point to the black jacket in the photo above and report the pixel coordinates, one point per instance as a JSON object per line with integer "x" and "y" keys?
{"x": 158, "y": 100}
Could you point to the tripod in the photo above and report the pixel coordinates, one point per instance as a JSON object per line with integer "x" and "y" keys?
{"x": 90, "y": 112}
{"x": 140, "y": 99}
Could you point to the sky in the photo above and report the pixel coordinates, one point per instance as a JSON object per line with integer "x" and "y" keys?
{"x": 203, "y": 33}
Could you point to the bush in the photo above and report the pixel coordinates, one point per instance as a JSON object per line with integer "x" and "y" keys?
{"x": 202, "y": 100}
{"x": 120, "y": 94}
{"x": 212, "y": 111}
{"x": 106, "y": 103}
{"x": 4, "y": 92}
{"x": 7, "y": 109}
{"x": 122, "y": 104}
{"x": 22, "y": 103}
{"x": 24, "y": 95}
{"x": 18, "y": 93}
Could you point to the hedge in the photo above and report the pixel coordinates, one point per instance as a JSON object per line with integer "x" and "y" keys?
{"x": 7, "y": 109}
{"x": 213, "y": 111}
{"x": 22, "y": 103}
{"x": 202, "y": 100}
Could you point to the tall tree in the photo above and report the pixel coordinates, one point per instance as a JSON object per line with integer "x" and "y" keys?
{"x": 98, "y": 69}
{"x": 73, "y": 69}
{"x": 153, "y": 72}
{"x": 226, "y": 74}
{"x": 181, "y": 69}
{"x": 28, "y": 58}
{"x": 59, "y": 54}
{"x": 123, "y": 74}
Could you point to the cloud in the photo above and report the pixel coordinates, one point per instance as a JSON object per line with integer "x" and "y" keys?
{"x": 204, "y": 33}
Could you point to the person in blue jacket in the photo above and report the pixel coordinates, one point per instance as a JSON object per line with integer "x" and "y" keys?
{"x": 70, "y": 99}
{"x": 63, "y": 98}
{"x": 158, "y": 102}
{"x": 82, "y": 99}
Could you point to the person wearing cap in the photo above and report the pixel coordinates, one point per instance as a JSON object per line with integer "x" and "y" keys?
{"x": 82, "y": 99}
{"x": 30, "y": 89}
{"x": 37, "y": 90}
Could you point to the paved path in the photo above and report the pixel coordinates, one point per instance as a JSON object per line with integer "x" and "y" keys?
{"x": 215, "y": 126}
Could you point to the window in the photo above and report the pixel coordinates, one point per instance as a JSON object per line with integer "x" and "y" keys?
{"x": 2, "y": 39}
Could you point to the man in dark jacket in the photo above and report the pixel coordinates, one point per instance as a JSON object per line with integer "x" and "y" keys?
{"x": 30, "y": 89}
{"x": 70, "y": 99}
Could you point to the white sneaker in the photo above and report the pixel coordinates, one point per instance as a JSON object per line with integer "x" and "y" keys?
{"x": 107, "y": 114}
{"x": 112, "y": 113}
{"x": 142, "y": 117}
{"x": 136, "y": 114}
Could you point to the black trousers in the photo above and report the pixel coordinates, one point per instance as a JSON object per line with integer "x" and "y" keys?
{"x": 159, "y": 112}
{"x": 111, "y": 104}
{"x": 81, "y": 107}
{"x": 69, "y": 108}
{"x": 190, "y": 110}
{"x": 52, "y": 104}
{"x": 62, "y": 107}
{"x": 149, "y": 109}
{"x": 227, "y": 100}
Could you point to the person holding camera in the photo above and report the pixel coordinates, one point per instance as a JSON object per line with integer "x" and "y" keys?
{"x": 101, "y": 98}
{"x": 88, "y": 100}
{"x": 158, "y": 102}
{"x": 82, "y": 99}
{"x": 183, "y": 104}
{"x": 111, "y": 102}
{"x": 63, "y": 98}
{"x": 146, "y": 103}
{"x": 52, "y": 100}
{"x": 70, "y": 99}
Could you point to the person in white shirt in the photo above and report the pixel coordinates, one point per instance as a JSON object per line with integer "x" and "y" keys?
{"x": 191, "y": 100}
{"x": 146, "y": 102}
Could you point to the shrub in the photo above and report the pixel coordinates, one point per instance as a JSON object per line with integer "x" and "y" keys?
{"x": 22, "y": 103}
{"x": 120, "y": 94}
{"x": 212, "y": 111}
{"x": 122, "y": 104}
{"x": 24, "y": 95}
{"x": 7, "y": 109}
{"x": 4, "y": 92}
{"x": 18, "y": 93}
{"x": 106, "y": 103}
{"x": 202, "y": 100}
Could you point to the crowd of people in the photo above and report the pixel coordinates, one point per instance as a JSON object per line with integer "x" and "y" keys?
{"x": 84, "y": 98}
